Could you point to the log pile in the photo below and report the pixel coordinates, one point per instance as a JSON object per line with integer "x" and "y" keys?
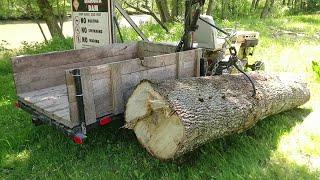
{"x": 173, "y": 117}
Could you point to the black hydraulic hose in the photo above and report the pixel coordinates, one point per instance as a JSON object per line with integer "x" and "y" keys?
{"x": 252, "y": 83}
{"x": 214, "y": 26}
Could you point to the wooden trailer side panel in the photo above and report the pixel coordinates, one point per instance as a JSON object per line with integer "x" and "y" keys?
{"x": 33, "y": 73}
{"x": 113, "y": 83}
{"x": 147, "y": 49}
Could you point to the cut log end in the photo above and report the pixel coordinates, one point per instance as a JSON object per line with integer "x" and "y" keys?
{"x": 156, "y": 126}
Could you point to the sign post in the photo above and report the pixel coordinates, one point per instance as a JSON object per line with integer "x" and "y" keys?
{"x": 92, "y": 23}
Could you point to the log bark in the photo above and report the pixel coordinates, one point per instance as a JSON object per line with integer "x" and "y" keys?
{"x": 173, "y": 117}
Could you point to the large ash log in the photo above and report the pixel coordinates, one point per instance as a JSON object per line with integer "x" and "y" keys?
{"x": 173, "y": 117}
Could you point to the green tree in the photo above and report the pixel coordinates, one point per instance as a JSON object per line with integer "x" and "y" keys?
{"x": 210, "y": 7}
{"x": 267, "y": 8}
{"x": 51, "y": 20}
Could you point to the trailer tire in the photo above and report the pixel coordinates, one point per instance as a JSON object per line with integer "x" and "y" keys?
{"x": 36, "y": 121}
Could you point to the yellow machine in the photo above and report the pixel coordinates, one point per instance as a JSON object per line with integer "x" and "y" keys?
{"x": 216, "y": 46}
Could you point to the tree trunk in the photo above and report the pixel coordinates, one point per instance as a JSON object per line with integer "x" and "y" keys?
{"x": 175, "y": 9}
{"x": 42, "y": 32}
{"x": 174, "y": 117}
{"x": 49, "y": 17}
{"x": 283, "y": 2}
{"x": 163, "y": 10}
{"x": 210, "y": 7}
{"x": 223, "y": 8}
{"x": 149, "y": 11}
{"x": 256, "y": 4}
{"x": 271, "y": 5}
{"x": 253, "y": 3}
{"x": 267, "y": 8}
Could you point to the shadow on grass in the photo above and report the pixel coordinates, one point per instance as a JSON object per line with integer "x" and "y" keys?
{"x": 114, "y": 152}
{"x": 250, "y": 154}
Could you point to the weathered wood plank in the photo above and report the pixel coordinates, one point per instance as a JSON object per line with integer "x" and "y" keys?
{"x": 48, "y": 102}
{"x": 29, "y": 75}
{"x": 42, "y": 71}
{"x": 137, "y": 65}
{"x": 147, "y": 49}
{"x": 140, "y": 50}
{"x": 198, "y": 56}
{"x": 31, "y": 79}
{"x": 108, "y": 97}
{"x": 132, "y": 79}
{"x": 22, "y": 63}
{"x": 58, "y": 107}
{"x": 180, "y": 65}
{"x": 54, "y": 94}
{"x": 102, "y": 89}
{"x": 106, "y": 90}
{"x": 88, "y": 97}
{"x": 51, "y": 102}
{"x": 37, "y": 96}
{"x": 117, "y": 94}
{"x": 71, "y": 89}
{"x": 63, "y": 114}
{"x": 159, "y": 61}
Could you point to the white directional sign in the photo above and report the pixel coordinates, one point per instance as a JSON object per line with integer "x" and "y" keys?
{"x": 92, "y": 23}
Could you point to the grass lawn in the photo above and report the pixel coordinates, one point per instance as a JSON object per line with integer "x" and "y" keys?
{"x": 284, "y": 146}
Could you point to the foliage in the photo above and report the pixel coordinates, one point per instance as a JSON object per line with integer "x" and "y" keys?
{"x": 28, "y": 9}
{"x": 316, "y": 68}
{"x": 235, "y": 9}
{"x": 228, "y": 9}
{"x": 3, "y": 46}
{"x": 53, "y": 12}
{"x": 55, "y": 44}
{"x": 154, "y": 33}
{"x": 17, "y": 9}
{"x": 284, "y": 146}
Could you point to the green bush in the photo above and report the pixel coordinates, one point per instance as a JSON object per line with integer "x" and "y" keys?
{"x": 316, "y": 68}
{"x": 4, "y": 46}
{"x": 55, "y": 44}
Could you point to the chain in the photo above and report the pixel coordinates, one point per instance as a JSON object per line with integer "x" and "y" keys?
{"x": 216, "y": 66}
{"x": 226, "y": 45}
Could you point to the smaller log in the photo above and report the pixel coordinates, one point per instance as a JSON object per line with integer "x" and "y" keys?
{"x": 173, "y": 117}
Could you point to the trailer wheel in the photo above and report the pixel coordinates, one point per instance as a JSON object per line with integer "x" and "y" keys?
{"x": 36, "y": 121}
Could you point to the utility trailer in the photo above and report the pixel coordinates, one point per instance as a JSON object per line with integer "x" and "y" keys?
{"x": 80, "y": 89}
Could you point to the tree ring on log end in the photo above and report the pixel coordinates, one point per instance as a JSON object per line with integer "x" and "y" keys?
{"x": 157, "y": 128}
